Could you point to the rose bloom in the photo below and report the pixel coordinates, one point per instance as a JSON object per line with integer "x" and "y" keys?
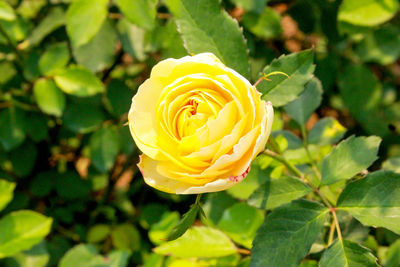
{"x": 199, "y": 125}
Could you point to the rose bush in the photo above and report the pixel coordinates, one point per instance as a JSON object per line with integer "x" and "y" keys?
{"x": 199, "y": 125}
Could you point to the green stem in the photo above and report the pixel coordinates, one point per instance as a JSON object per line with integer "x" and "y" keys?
{"x": 197, "y": 202}
{"x": 305, "y": 144}
{"x": 331, "y": 232}
{"x": 285, "y": 162}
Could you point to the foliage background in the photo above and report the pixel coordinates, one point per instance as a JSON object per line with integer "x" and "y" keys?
{"x": 68, "y": 70}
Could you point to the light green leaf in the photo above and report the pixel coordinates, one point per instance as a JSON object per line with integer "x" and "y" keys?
{"x": 374, "y": 200}
{"x": 347, "y": 254}
{"x": 380, "y": 46}
{"x": 267, "y": 25}
{"x": 20, "y": 230}
{"x": 160, "y": 231}
{"x": 37, "y": 256}
{"x": 326, "y": 131}
{"x": 251, "y": 5}
{"x": 49, "y": 98}
{"x": 348, "y": 158}
{"x": 276, "y": 192}
{"x": 99, "y": 52}
{"x": 11, "y": 131}
{"x": 126, "y": 237}
{"x": 218, "y": 34}
{"x": 6, "y": 11}
{"x": 282, "y": 89}
{"x": 6, "y": 193}
{"x": 240, "y": 222}
{"x": 187, "y": 220}
{"x": 98, "y": 233}
{"x": 132, "y": 39}
{"x": 287, "y": 234}
{"x": 393, "y": 255}
{"x": 84, "y": 19}
{"x": 55, "y": 58}
{"x": 392, "y": 164}
{"x": 139, "y": 12}
{"x": 79, "y": 81}
{"x": 54, "y": 19}
{"x": 104, "y": 148}
{"x": 367, "y": 12}
{"x": 118, "y": 258}
{"x": 7, "y": 71}
{"x": 82, "y": 255}
{"x": 198, "y": 242}
{"x": 301, "y": 109}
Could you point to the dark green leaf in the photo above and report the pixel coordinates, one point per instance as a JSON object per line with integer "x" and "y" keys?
{"x": 84, "y": 19}
{"x": 132, "y": 39}
{"x": 139, "y": 12}
{"x": 70, "y": 186}
{"x": 11, "y": 131}
{"x": 218, "y": 34}
{"x": 393, "y": 255}
{"x": 276, "y": 192}
{"x": 251, "y": 5}
{"x": 348, "y": 158}
{"x": 23, "y": 158}
{"x": 374, "y": 200}
{"x": 301, "y": 109}
{"x": 120, "y": 97}
{"x": 281, "y": 89}
{"x": 287, "y": 234}
{"x": 184, "y": 224}
{"x": 347, "y": 254}
{"x": 49, "y": 98}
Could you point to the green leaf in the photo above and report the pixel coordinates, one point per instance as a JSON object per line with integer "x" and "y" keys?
{"x": 82, "y": 255}
{"x": 20, "y": 230}
{"x": 267, "y": 25}
{"x": 301, "y": 109}
{"x": 392, "y": 164}
{"x": 251, "y": 5}
{"x": 98, "y": 233}
{"x": 6, "y": 193}
{"x": 37, "y": 256}
{"x": 187, "y": 220}
{"x": 49, "y": 98}
{"x": 393, "y": 255}
{"x": 380, "y": 46}
{"x": 287, "y": 234}
{"x": 119, "y": 96}
{"x": 215, "y": 205}
{"x": 282, "y": 89}
{"x": 218, "y": 34}
{"x": 348, "y": 158}
{"x": 104, "y": 148}
{"x": 132, "y": 39}
{"x": 6, "y": 11}
{"x": 118, "y": 258}
{"x": 23, "y": 158}
{"x": 54, "y": 19}
{"x": 139, "y": 12}
{"x": 160, "y": 230}
{"x": 368, "y": 12}
{"x": 79, "y": 81}
{"x": 347, "y": 254}
{"x": 198, "y": 242}
{"x": 276, "y": 192}
{"x": 327, "y": 131}
{"x": 374, "y": 200}
{"x": 55, "y": 58}
{"x": 70, "y": 186}
{"x": 84, "y": 19}
{"x": 7, "y": 70}
{"x": 11, "y": 131}
{"x": 43, "y": 183}
{"x": 240, "y": 222}
{"x": 73, "y": 120}
{"x": 126, "y": 237}
{"x": 99, "y": 52}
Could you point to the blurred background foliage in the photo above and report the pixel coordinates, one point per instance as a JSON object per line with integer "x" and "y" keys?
{"x": 68, "y": 71}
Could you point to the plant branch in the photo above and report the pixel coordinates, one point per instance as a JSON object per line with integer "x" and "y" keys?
{"x": 285, "y": 162}
{"x": 305, "y": 145}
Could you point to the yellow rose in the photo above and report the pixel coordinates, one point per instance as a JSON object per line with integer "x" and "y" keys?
{"x": 199, "y": 125}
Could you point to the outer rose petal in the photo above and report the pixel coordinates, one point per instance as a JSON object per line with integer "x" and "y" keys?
{"x": 152, "y": 177}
